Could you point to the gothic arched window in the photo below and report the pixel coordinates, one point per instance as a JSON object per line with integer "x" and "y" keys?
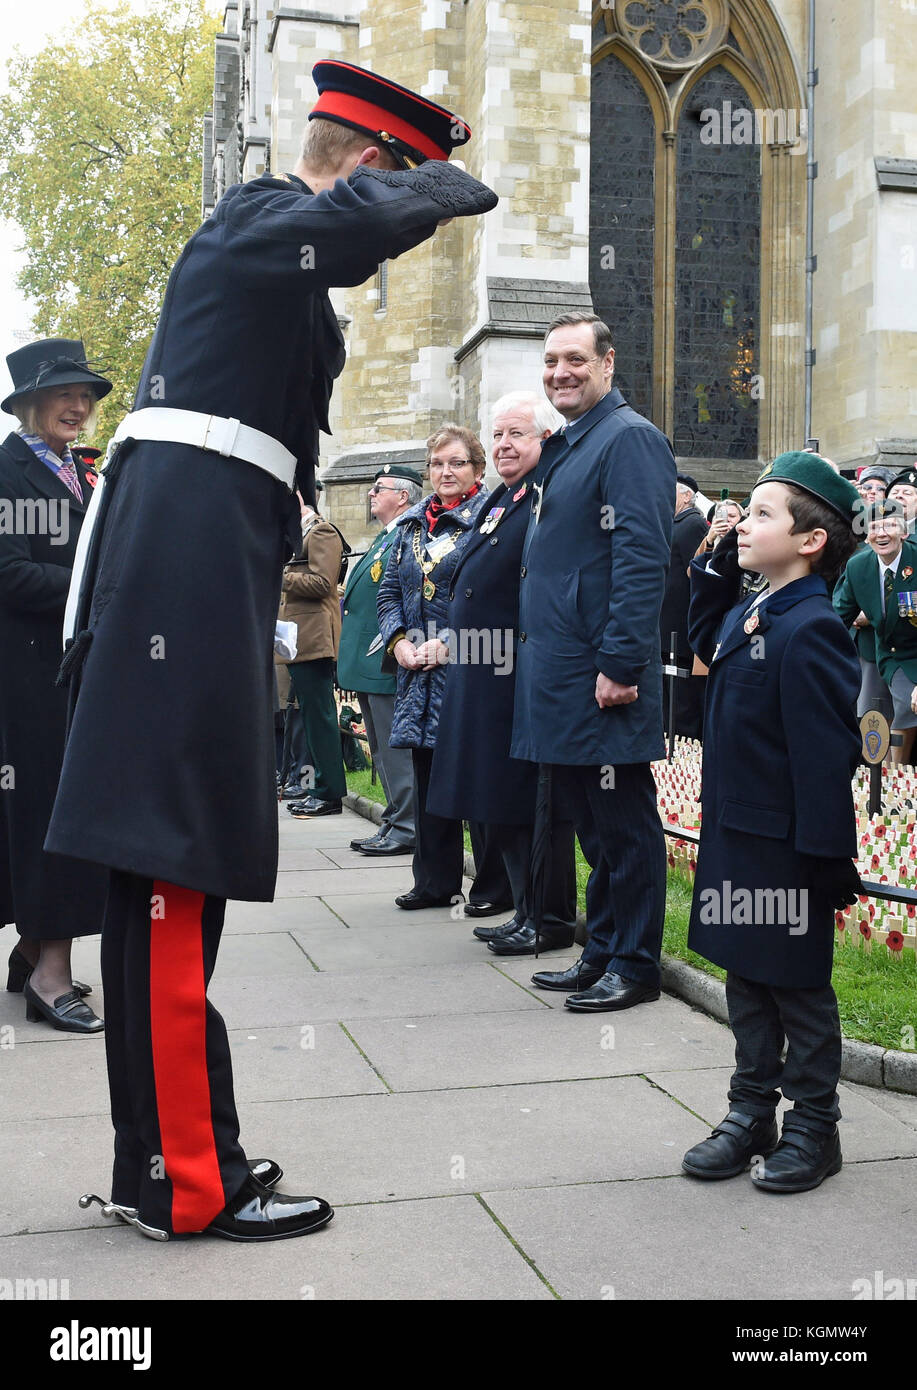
{"x": 681, "y": 188}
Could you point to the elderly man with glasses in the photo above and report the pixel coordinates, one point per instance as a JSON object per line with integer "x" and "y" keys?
{"x": 396, "y": 487}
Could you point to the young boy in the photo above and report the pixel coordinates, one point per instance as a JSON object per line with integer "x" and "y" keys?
{"x": 781, "y": 743}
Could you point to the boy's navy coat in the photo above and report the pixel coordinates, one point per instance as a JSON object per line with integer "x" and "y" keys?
{"x": 473, "y": 776}
{"x": 170, "y": 760}
{"x": 594, "y": 570}
{"x": 781, "y": 744}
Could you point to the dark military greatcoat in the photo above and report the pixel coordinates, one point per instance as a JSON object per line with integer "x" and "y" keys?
{"x": 171, "y": 757}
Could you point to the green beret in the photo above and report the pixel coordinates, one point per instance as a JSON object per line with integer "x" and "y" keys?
{"x": 814, "y": 475}
{"x": 399, "y": 470}
{"x": 908, "y": 478}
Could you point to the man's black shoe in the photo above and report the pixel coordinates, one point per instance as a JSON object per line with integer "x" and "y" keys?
{"x": 802, "y": 1160}
{"x": 612, "y": 991}
{"x": 522, "y": 942}
{"x": 384, "y": 846}
{"x": 486, "y": 909}
{"x": 266, "y": 1171}
{"x": 494, "y": 933}
{"x": 257, "y": 1213}
{"x": 312, "y": 806}
{"x": 579, "y": 976}
{"x": 293, "y": 791}
{"x": 731, "y": 1147}
{"x": 368, "y": 840}
{"x": 413, "y": 900}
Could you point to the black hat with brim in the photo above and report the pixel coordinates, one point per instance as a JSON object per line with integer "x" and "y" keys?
{"x": 687, "y": 481}
{"x": 51, "y": 362}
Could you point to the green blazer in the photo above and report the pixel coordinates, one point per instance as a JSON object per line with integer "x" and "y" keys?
{"x": 360, "y": 625}
{"x": 895, "y": 638}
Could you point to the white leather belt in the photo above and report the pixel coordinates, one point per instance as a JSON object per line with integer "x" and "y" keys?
{"x": 215, "y": 433}
{"x": 218, "y": 435}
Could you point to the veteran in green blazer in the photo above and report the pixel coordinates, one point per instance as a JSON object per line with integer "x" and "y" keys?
{"x": 395, "y": 488}
{"x": 878, "y": 593}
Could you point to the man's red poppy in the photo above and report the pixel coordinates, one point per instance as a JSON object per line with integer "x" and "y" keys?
{"x": 894, "y": 941}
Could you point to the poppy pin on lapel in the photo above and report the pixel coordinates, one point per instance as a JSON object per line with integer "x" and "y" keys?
{"x": 751, "y": 623}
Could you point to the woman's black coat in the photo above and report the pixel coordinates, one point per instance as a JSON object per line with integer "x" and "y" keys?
{"x": 48, "y": 896}
{"x": 473, "y": 777}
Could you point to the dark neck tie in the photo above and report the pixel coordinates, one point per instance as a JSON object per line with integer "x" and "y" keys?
{"x": 888, "y": 588}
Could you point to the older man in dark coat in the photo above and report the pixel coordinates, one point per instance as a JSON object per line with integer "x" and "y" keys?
{"x": 589, "y": 683}
{"x": 472, "y": 776}
{"x": 181, "y": 622}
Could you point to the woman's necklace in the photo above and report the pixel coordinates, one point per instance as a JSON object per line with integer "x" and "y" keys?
{"x": 427, "y": 566}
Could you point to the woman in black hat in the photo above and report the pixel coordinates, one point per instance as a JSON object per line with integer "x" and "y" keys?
{"x": 44, "y": 492}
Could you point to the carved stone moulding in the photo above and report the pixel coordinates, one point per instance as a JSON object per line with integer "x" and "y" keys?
{"x": 673, "y": 36}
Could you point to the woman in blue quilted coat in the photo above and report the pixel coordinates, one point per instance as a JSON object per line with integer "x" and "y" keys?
{"x": 413, "y": 604}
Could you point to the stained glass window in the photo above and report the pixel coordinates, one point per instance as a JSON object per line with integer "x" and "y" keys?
{"x": 717, "y": 269}
{"x": 621, "y": 224}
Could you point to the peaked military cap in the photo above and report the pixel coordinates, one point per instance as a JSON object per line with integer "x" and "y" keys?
{"x": 398, "y": 470}
{"x": 815, "y": 475}
{"x": 412, "y": 128}
{"x": 907, "y": 479}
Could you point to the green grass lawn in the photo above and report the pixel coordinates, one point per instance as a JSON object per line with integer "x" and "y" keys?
{"x": 876, "y": 993}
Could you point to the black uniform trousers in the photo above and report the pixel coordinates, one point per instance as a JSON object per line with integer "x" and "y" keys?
{"x": 177, "y": 1154}
{"x": 439, "y": 849}
{"x": 614, "y": 812}
{"x": 762, "y": 1017}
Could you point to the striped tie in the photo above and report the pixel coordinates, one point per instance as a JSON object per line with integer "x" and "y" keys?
{"x": 888, "y": 587}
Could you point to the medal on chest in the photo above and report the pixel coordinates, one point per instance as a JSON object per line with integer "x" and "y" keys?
{"x": 492, "y": 520}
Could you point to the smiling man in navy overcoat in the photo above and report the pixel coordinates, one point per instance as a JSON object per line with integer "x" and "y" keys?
{"x": 589, "y": 681}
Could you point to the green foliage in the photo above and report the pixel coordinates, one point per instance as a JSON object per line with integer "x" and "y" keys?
{"x": 100, "y": 166}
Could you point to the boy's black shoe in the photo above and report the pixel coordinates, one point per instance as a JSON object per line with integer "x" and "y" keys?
{"x": 731, "y": 1147}
{"x": 802, "y": 1160}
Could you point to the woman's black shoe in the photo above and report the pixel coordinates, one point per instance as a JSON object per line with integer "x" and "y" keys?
{"x": 68, "y": 1012}
{"x": 20, "y": 970}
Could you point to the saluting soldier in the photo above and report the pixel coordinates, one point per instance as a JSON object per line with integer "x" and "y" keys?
{"x": 396, "y": 487}
{"x": 177, "y": 621}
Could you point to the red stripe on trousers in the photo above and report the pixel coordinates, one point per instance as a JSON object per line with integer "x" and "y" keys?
{"x": 178, "y": 1023}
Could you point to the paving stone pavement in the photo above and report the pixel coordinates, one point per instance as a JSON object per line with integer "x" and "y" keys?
{"x": 477, "y": 1140}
